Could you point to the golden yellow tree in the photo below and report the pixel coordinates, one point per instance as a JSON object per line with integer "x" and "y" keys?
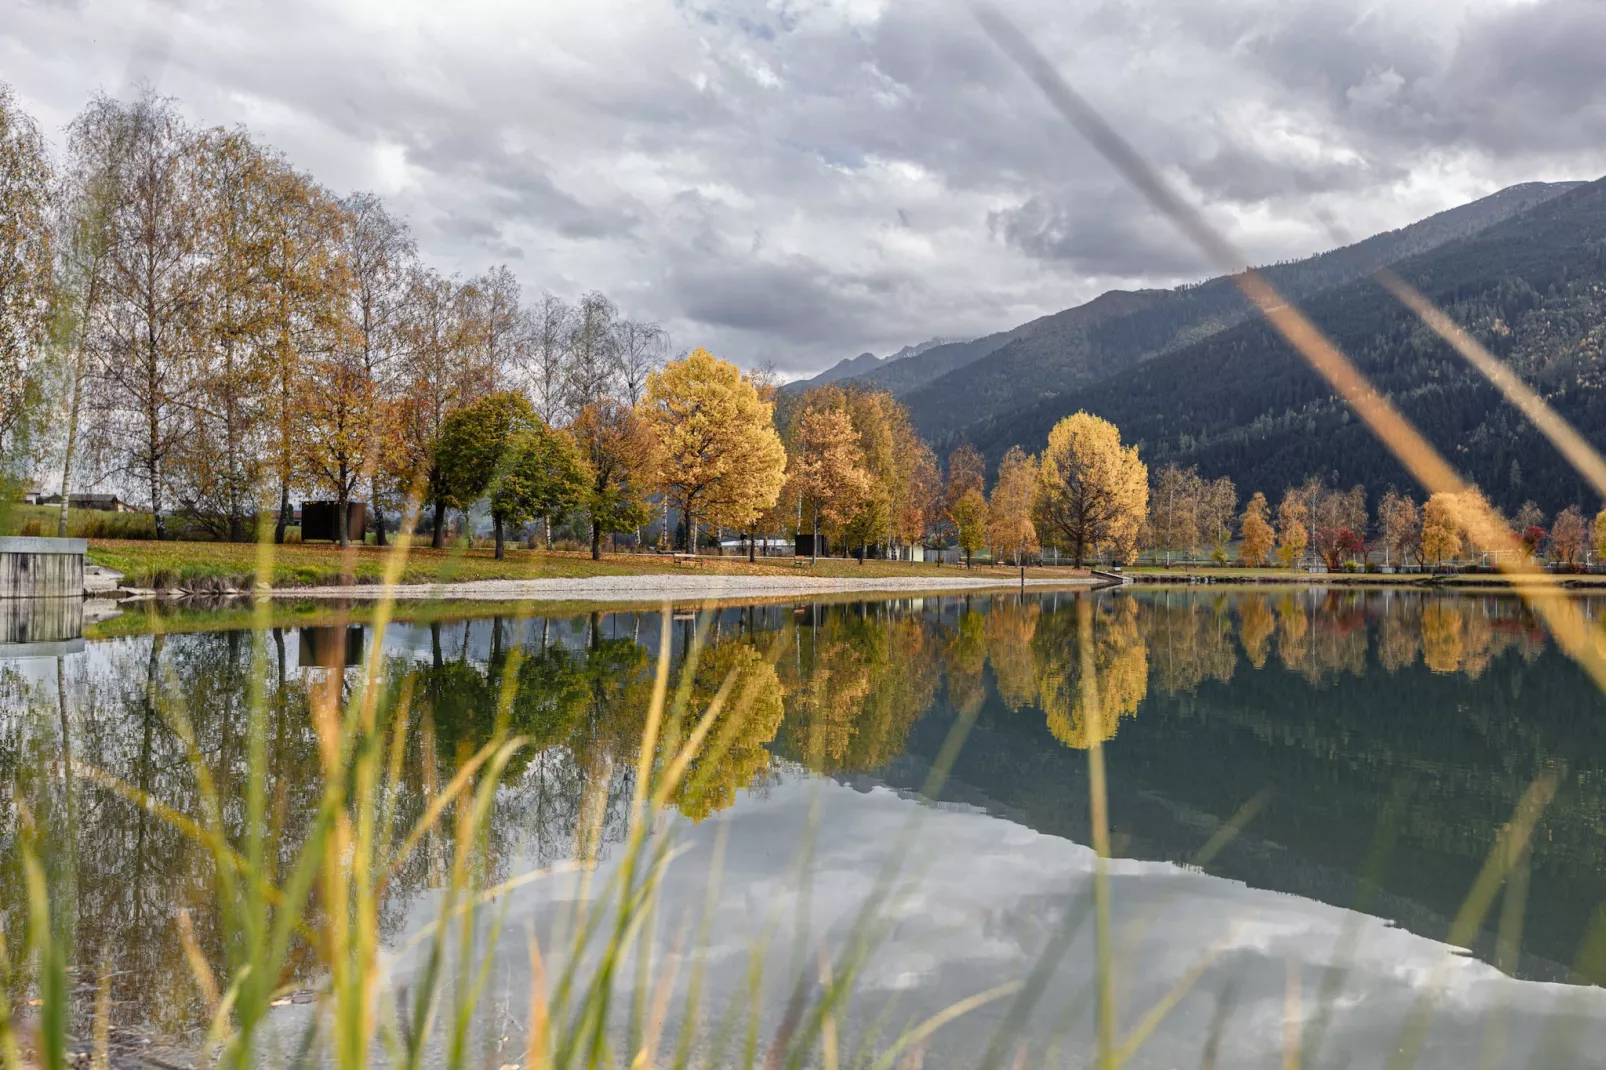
{"x": 969, "y": 516}
{"x": 1092, "y": 492}
{"x": 1009, "y": 510}
{"x": 828, "y": 469}
{"x": 1597, "y": 534}
{"x": 720, "y": 459}
{"x": 1257, "y": 533}
{"x": 1441, "y": 528}
{"x": 1292, "y": 534}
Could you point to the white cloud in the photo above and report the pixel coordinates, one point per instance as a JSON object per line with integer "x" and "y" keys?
{"x": 858, "y": 174}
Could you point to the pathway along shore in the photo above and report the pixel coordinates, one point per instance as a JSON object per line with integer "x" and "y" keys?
{"x": 674, "y": 587}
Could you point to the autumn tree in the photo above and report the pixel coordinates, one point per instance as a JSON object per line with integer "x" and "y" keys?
{"x": 1569, "y": 536}
{"x": 1400, "y": 524}
{"x": 492, "y": 324}
{"x": 1009, "y": 510}
{"x": 966, "y": 471}
{"x": 1091, "y": 490}
{"x": 1292, "y": 533}
{"x": 1256, "y": 529}
{"x": 437, "y": 377}
{"x": 307, "y": 346}
{"x": 222, "y": 457}
{"x": 1174, "y": 508}
{"x": 720, "y": 458}
{"x": 380, "y": 258}
{"x": 828, "y": 469}
{"x": 619, "y": 448}
{"x": 1597, "y": 534}
{"x": 969, "y": 516}
{"x": 26, "y": 280}
{"x": 1335, "y": 519}
{"x": 1218, "y": 500}
{"x": 1441, "y": 528}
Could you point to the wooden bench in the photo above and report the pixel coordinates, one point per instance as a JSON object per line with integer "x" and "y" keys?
{"x": 686, "y": 559}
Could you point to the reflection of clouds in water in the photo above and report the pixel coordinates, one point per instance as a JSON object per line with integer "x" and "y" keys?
{"x": 979, "y": 899}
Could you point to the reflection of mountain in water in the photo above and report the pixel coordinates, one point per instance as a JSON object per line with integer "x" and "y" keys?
{"x": 1334, "y": 732}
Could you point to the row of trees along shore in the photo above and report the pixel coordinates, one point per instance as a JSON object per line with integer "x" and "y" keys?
{"x": 190, "y": 317}
{"x": 185, "y": 314}
{"x": 1196, "y": 519}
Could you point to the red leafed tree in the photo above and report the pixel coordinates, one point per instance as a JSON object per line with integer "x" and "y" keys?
{"x": 1337, "y": 544}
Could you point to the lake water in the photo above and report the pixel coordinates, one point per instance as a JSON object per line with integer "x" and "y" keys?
{"x": 1303, "y": 788}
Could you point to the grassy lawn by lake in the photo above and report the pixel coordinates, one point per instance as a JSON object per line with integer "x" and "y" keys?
{"x": 146, "y": 563}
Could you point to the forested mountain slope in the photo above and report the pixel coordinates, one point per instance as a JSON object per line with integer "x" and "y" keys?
{"x": 1242, "y": 403}
{"x": 1121, "y": 329}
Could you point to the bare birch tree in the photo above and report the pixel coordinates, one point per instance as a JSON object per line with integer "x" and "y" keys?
{"x": 146, "y": 381}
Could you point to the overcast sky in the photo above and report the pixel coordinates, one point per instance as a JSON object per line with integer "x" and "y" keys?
{"x": 797, "y": 181}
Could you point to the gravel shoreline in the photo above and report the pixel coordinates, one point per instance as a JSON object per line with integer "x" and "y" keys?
{"x": 657, "y": 588}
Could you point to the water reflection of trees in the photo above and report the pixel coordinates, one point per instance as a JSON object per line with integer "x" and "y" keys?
{"x": 836, "y": 688}
{"x": 859, "y": 677}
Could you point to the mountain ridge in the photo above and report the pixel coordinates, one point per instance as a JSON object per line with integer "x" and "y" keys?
{"x": 1066, "y": 351}
{"x": 1242, "y": 403}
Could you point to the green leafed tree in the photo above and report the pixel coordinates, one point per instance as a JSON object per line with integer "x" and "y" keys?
{"x": 543, "y": 474}
{"x": 474, "y": 444}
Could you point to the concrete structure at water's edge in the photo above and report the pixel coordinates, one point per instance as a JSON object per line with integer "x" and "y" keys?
{"x": 41, "y": 568}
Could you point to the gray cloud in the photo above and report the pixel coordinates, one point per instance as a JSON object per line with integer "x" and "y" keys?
{"x": 807, "y": 180}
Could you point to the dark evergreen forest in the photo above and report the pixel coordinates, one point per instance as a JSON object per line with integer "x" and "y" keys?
{"x": 1242, "y": 403}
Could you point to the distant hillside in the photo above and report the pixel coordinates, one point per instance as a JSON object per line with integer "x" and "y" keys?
{"x": 866, "y": 364}
{"x": 1241, "y": 403}
{"x": 1120, "y": 329}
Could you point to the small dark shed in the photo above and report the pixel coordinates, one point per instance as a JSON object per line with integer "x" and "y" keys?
{"x": 805, "y": 545}
{"x": 321, "y": 521}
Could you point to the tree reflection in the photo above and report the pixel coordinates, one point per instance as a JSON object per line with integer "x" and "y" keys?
{"x": 860, "y": 680}
{"x": 1120, "y": 669}
{"x": 1189, "y": 641}
{"x": 838, "y": 689}
{"x": 1257, "y": 622}
{"x": 736, "y": 749}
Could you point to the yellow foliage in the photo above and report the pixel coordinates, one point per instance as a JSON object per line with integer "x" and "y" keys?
{"x": 719, "y": 456}
{"x": 1257, "y": 622}
{"x": 1009, "y": 511}
{"x": 1257, "y": 532}
{"x": 1092, "y": 493}
{"x": 1442, "y": 527}
{"x": 735, "y": 750}
{"x": 1120, "y": 670}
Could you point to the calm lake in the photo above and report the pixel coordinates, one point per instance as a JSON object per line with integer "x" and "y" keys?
{"x": 1303, "y": 787}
